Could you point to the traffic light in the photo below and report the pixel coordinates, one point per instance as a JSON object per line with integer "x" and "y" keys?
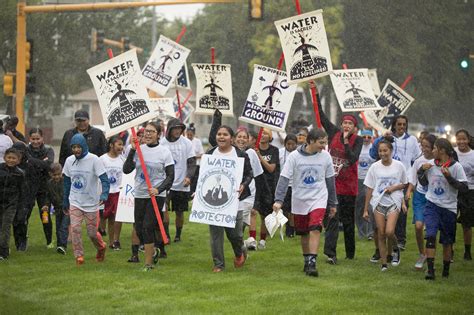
{"x": 464, "y": 61}
{"x": 30, "y": 84}
{"x": 8, "y": 87}
{"x": 125, "y": 44}
{"x": 256, "y": 9}
{"x": 97, "y": 40}
{"x": 28, "y": 47}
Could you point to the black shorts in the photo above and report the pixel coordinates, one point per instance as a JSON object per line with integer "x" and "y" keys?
{"x": 178, "y": 200}
{"x": 287, "y": 202}
{"x": 466, "y": 208}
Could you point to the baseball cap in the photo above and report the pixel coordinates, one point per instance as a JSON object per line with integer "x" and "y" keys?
{"x": 366, "y": 132}
{"x": 81, "y": 115}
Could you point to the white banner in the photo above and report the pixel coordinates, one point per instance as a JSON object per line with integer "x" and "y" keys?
{"x": 126, "y": 203}
{"x": 305, "y": 45}
{"x": 123, "y": 99}
{"x": 164, "y": 108}
{"x": 216, "y": 200}
{"x": 270, "y": 97}
{"x": 213, "y": 88}
{"x": 394, "y": 101}
{"x": 353, "y": 90}
{"x": 374, "y": 81}
{"x": 165, "y": 62}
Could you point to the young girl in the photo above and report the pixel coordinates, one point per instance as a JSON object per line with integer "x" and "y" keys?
{"x": 290, "y": 146}
{"x": 419, "y": 199}
{"x": 385, "y": 182}
{"x": 444, "y": 179}
{"x": 465, "y": 153}
{"x": 312, "y": 174}
{"x": 160, "y": 166}
{"x": 113, "y": 162}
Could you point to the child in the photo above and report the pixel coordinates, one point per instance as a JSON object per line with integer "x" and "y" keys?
{"x": 385, "y": 182}
{"x": 419, "y": 199}
{"x": 290, "y": 144}
{"x": 113, "y": 162}
{"x": 82, "y": 172}
{"x": 12, "y": 188}
{"x": 312, "y": 174}
{"x": 444, "y": 179}
{"x": 55, "y": 193}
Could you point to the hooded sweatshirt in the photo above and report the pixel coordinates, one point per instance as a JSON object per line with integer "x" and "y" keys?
{"x": 81, "y": 179}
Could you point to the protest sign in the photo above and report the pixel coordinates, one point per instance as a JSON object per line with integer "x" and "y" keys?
{"x": 213, "y": 88}
{"x": 165, "y": 62}
{"x": 269, "y": 100}
{"x": 164, "y": 108}
{"x": 182, "y": 79}
{"x": 216, "y": 200}
{"x": 353, "y": 90}
{"x": 123, "y": 99}
{"x": 374, "y": 81}
{"x": 305, "y": 45}
{"x": 126, "y": 203}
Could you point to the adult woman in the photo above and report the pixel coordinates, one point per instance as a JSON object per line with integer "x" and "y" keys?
{"x": 160, "y": 166}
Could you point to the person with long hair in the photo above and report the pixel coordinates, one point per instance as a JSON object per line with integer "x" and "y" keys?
{"x": 444, "y": 178}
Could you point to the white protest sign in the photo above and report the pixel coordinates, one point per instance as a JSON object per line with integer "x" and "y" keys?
{"x": 269, "y": 100}
{"x": 274, "y": 221}
{"x": 164, "y": 108}
{"x": 213, "y": 89}
{"x": 165, "y": 62}
{"x": 186, "y": 110}
{"x": 216, "y": 200}
{"x": 305, "y": 45}
{"x": 182, "y": 79}
{"x": 353, "y": 90}
{"x": 126, "y": 203}
{"x": 374, "y": 81}
{"x": 394, "y": 101}
{"x": 123, "y": 99}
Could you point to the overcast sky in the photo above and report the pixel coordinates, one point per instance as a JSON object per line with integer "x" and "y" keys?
{"x": 184, "y": 11}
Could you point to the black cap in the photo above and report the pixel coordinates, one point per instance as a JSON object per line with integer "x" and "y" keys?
{"x": 81, "y": 115}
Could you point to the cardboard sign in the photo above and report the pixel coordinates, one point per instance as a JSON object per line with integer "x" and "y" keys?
{"x": 374, "y": 81}
{"x": 126, "y": 203}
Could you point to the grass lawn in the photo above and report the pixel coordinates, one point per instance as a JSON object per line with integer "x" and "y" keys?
{"x": 272, "y": 281}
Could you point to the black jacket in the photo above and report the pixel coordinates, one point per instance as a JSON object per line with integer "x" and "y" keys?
{"x": 95, "y": 140}
{"x": 12, "y": 186}
{"x": 36, "y": 157}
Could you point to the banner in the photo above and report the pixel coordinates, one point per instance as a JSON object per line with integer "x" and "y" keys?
{"x": 213, "y": 88}
{"x": 305, "y": 45}
{"x": 182, "y": 79}
{"x": 269, "y": 100}
{"x": 374, "y": 81}
{"x": 164, "y": 108}
{"x": 216, "y": 200}
{"x": 165, "y": 62}
{"x": 353, "y": 90}
{"x": 126, "y": 203}
{"x": 394, "y": 101}
{"x": 123, "y": 99}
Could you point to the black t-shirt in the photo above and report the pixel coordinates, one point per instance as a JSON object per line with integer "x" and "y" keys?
{"x": 272, "y": 156}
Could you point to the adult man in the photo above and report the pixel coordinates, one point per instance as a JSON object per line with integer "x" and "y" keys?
{"x": 95, "y": 138}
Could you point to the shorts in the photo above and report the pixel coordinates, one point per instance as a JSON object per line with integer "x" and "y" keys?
{"x": 437, "y": 218}
{"x": 110, "y": 205}
{"x": 419, "y": 202}
{"x": 466, "y": 209}
{"x": 246, "y": 208}
{"x": 286, "y": 207}
{"x": 386, "y": 210}
{"x": 178, "y": 200}
{"x": 309, "y": 222}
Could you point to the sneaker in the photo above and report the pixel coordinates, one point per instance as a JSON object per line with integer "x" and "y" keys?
{"x": 102, "y": 232}
{"x": 147, "y": 268}
{"x": 101, "y": 253}
{"x": 389, "y": 258}
{"x": 332, "y": 260}
{"x": 445, "y": 273}
{"x": 133, "y": 259}
{"x": 3, "y": 258}
{"x": 163, "y": 253}
{"x": 240, "y": 261}
{"x": 370, "y": 238}
{"x": 396, "y": 258}
{"x": 50, "y": 246}
{"x": 80, "y": 260}
{"x": 430, "y": 275}
{"x": 401, "y": 246}
{"x": 376, "y": 257}
{"x": 467, "y": 256}
{"x": 156, "y": 255}
{"x": 251, "y": 243}
{"x": 312, "y": 271}
{"x": 22, "y": 246}
{"x": 262, "y": 244}
{"x": 116, "y": 245}
{"x": 177, "y": 239}
{"x": 305, "y": 268}
{"x": 384, "y": 268}
{"x": 217, "y": 269}
{"x": 420, "y": 262}
{"x": 61, "y": 250}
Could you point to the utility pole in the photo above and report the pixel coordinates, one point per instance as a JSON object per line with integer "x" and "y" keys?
{"x": 23, "y": 10}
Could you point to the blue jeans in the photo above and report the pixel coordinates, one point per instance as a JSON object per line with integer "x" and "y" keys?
{"x": 62, "y": 227}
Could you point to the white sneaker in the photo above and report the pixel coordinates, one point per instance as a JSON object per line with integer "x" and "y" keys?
{"x": 396, "y": 258}
{"x": 251, "y": 243}
{"x": 420, "y": 262}
{"x": 262, "y": 244}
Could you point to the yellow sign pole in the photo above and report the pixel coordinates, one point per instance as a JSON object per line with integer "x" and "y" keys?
{"x": 20, "y": 65}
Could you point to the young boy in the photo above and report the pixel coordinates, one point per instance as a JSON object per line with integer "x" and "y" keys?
{"x": 55, "y": 198}
{"x": 12, "y": 191}
{"x": 82, "y": 172}
{"x": 313, "y": 189}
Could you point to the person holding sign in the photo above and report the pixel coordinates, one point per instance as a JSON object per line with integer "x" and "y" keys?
{"x": 160, "y": 165}
{"x": 310, "y": 170}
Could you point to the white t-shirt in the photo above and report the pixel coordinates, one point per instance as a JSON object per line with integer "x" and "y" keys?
{"x": 85, "y": 183}
{"x": 5, "y": 143}
{"x": 278, "y": 139}
{"x": 365, "y": 161}
{"x": 406, "y": 150}
{"x": 181, "y": 150}
{"x": 156, "y": 160}
{"x": 379, "y": 177}
{"x": 113, "y": 167}
{"x": 467, "y": 162}
{"x": 256, "y": 170}
{"x": 198, "y": 149}
{"x": 440, "y": 192}
{"x": 308, "y": 173}
{"x": 283, "y": 154}
{"x": 413, "y": 174}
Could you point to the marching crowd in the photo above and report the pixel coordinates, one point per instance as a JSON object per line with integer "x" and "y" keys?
{"x": 324, "y": 181}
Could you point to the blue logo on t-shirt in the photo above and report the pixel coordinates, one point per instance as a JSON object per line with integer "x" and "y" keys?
{"x": 112, "y": 180}
{"x": 363, "y": 164}
{"x": 309, "y": 176}
{"x": 78, "y": 182}
{"x": 438, "y": 188}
